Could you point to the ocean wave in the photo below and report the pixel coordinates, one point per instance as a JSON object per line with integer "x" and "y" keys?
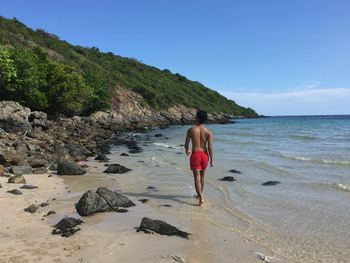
{"x": 316, "y": 160}
{"x": 166, "y": 145}
{"x": 343, "y": 187}
{"x": 304, "y": 137}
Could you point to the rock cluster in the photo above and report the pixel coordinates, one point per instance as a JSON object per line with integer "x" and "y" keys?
{"x": 67, "y": 226}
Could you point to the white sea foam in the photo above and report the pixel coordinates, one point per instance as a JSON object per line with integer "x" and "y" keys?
{"x": 166, "y": 145}
{"x": 344, "y": 187}
{"x": 316, "y": 160}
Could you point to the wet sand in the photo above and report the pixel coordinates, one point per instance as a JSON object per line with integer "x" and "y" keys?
{"x": 106, "y": 237}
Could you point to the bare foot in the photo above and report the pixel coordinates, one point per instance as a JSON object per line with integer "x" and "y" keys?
{"x": 201, "y": 201}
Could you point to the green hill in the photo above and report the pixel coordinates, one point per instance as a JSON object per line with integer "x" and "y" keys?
{"x": 45, "y": 73}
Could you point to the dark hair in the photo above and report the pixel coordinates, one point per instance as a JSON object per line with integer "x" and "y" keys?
{"x": 201, "y": 116}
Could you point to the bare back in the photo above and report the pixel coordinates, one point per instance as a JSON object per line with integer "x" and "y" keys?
{"x": 199, "y": 136}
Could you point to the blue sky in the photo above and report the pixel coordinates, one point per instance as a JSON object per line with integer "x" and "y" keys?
{"x": 280, "y": 57}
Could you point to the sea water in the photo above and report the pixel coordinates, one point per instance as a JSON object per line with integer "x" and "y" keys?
{"x": 305, "y": 218}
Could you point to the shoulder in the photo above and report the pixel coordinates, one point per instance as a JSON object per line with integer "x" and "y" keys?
{"x": 190, "y": 130}
{"x": 208, "y": 132}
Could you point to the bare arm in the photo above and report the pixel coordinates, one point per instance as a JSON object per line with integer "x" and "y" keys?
{"x": 210, "y": 148}
{"x": 187, "y": 142}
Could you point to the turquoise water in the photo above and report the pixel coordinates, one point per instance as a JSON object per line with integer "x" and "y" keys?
{"x": 307, "y": 216}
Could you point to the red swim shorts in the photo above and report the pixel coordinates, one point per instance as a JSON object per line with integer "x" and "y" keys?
{"x": 199, "y": 160}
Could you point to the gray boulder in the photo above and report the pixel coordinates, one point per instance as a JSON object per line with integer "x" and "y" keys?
{"x": 102, "y": 201}
{"x": 149, "y": 225}
{"x": 8, "y": 158}
{"x": 91, "y": 203}
{"x": 38, "y": 119}
{"x": 14, "y": 117}
{"x": 116, "y": 169}
{"x": 69, "y": 168}
{"x": 35, "y": 162}
{"x": 20, "y": 170}
{"x": 17, "y": 179}
{"x": 114, "y": 199}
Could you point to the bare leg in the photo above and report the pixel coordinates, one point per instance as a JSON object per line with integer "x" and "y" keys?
{"x": 197, "y": 183}
{"x": 202, "y": 172}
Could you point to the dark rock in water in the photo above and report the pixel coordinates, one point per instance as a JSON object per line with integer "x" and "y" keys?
{"x": 31, "y": 209}
{"x": 149, "y": 225}
{"x": 151, "y": 188}
{"x": 114, "y": 199}
{"x": 102, "y": 201}
{"x": 91, "y": 203}
{"x": 228, "y": 179}
{"x": 179, "y": 153}
{"x": 69, "y": 168}
{"x": 158, "y": 135}
{"x": 140, "y": 161}
{"x": 116, "y": 169}
{"x": 145, "y": 200}
{"x": 28, "y": 186}
{"x": 166, "y": 205}
{"x": 124, "y": 154}
{"x": 102, "y": 158}
{"x": 133, "y": 151}
{"x": 51, "y": 212}
{"x": 121, "y": 210}
{"x": 44, "y": 204}
{"x": 66, "y": 227}
{"x": 15, "y": 192}
{"x": 270, "y": 183}
{"x": 40, "y": 170}
{"x": 17, "y": 179}
{"x": 20, "y": 170}
{"x": 235, "y": 171}
{"x": 53, "y": 167}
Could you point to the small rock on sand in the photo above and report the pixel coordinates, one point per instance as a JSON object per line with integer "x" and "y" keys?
{"x": 15, "y": 192}
{"x": 228, "y": 179}
{"x": 66, "y": 227}
{"x": 270, "y": 183}
{"x": 149, "y": 225}
{"x": 116, "y": 169}
{"x": 31, "y": 209}
{"x": 235, "y": 171}
{"x": 17, "y": 179}
{"x": 28, "y": 187}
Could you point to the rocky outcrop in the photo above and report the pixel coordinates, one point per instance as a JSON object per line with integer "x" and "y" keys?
{"x": 102, "y": 200}
{"x": 14, "y": 117}
{"x": 149, "y": 226}
{"x": 69, "y": 168}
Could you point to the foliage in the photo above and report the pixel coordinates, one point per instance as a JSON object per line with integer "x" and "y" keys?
{"x": 49, "y": 74}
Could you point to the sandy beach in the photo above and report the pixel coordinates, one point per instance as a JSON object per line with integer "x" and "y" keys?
{"x": 26, "y": 237}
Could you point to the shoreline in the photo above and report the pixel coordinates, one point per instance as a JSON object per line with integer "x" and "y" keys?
{"x": 27, "y": 238}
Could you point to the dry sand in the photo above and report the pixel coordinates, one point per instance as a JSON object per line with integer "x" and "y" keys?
{"x": 106, "y": 237}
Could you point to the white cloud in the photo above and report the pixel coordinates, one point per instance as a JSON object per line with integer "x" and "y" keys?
{"x": 306, "y": 101}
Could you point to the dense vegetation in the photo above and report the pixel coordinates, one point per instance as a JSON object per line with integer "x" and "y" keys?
{"x": 45, "y": 73}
